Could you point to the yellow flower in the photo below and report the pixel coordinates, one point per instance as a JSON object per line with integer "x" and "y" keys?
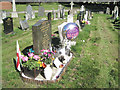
{"x": 39, "y": 62}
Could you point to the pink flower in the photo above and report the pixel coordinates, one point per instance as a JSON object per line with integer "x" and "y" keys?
{"x": 25, "y": 59}
{"x": 45, "y": 53}
{"x": 48, "y": 50}
{"x": 30, "y": 54}
{"x": 49, "y": 55}
{"x": 36, "y": 57}
{"x": 42, "y": 50}
{"x": 22, "y": 56}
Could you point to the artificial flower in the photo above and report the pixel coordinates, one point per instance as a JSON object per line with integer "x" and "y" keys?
{"x": 25, "y": 58}
{"x": 36, "y": 57}
{"x": 30, "y": 54}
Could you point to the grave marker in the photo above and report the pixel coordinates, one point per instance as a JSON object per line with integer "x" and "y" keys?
{"x": 3, "y": 14}
{"x": 108, "y": 10}
{"x": 29, "y": 11}
{"x": 14, "y": 13}
{"x": 41, "y": 32}
{"x": 8, "y": 25}
{"x": 41, "y": 11}
{"x": 72, "y": 7}
{"x": 24, "y": 25}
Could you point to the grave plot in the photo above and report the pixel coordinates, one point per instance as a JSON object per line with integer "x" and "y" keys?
{"x": 45, "y": 62}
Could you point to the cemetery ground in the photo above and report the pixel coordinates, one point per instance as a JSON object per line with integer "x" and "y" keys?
{"x": 95, "y": 61}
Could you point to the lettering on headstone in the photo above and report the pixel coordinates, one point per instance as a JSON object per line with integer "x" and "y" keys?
{"x": 41, "y": 32}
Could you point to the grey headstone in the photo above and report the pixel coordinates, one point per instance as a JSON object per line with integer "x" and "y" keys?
{"x": 41, "y": 11}
{"x": 108, "y": 10}
{"x": 4, "y": 14}
{"x": 116, "y": 12}
{"x": 29, "y": 11}
{"x": 8, "y": 25}
{"x": 24, "y": 25}
{"x": 8, "y": 14}
{"x": 41, "y": 32}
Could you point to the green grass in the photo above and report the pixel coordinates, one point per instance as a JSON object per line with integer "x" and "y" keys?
{"x": 94, "y": 64}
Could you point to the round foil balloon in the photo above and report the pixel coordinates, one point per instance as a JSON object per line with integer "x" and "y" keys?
{"x": 71, "y": 31}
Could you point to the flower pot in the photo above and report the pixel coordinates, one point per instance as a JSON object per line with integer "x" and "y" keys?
{"x": 48, "y": 72}
{"x": 30, "y": 73}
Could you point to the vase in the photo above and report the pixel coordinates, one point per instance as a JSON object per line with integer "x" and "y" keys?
{"x": 48, "y": 72}
{"x": 30, "y": 73}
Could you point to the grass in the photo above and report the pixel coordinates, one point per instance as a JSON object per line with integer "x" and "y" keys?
{"x": 94, "y": 64}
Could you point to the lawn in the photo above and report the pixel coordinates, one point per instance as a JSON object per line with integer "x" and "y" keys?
{"x": 95, "y": 62}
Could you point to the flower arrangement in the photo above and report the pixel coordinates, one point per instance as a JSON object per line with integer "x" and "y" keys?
{"x": 33, "y": 61}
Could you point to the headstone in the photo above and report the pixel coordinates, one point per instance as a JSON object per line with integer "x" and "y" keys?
{"x": 8, "y": 14}
{"x": 63, "y": 13}
{"x": 80, "y": 17}
{"x": 49, "y": 16}
{"x": 86, "y": 16}
{"x": 89, "y": 14}
{"x": 70, "y": 18}
{"x": 82, "y": 8}
{"x": 14, "y": 13}
{"x": 8, "y": 25}
{"x": 24, "y": 25}
{"x": 29, "y": 11}
{"x": 108, "y": 10}
{"x": 116, "y": 12}
{"x": 41, "y": 32}
{"x": 58, "y": 14}
{"x": 3, "y": 14}
{"x": 41, "y": 11}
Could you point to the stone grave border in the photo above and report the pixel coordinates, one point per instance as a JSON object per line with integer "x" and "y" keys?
{"x": 48, "y": 81}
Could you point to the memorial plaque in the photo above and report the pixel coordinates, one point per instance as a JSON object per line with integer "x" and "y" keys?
{"x": 41, "y": 11}
{"x": 8, "y": 25}
{"x": 41, "y": 32}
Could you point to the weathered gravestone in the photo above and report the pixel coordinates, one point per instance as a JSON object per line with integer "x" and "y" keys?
{"x": 80, "y": 17}
{"x": 8, "y": 25}
{"x": 116, "y": 12}
{"x": 4, "y": 14}
{"x": 108, "y": 10}
{"x": 29, "y": 12}
{"x": 23, "y": 24}
{"x": 41, "y": 32}
{"x": 41, "y": 11}
{"x": 63, "y": 13}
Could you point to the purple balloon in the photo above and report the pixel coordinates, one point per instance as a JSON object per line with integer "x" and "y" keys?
{"x": 71, "y": 31}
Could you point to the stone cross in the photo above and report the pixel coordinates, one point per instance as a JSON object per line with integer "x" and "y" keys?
{"x": 71, "y": 5}
{"x": 14, "y": 13}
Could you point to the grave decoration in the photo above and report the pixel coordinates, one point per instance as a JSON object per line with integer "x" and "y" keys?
{"x": 70, "y": 31}
{"x": 48, "y": 63}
